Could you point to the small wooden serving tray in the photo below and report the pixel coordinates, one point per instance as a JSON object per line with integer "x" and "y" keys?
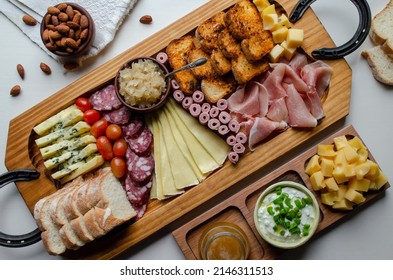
{"x": 239, "y": 208}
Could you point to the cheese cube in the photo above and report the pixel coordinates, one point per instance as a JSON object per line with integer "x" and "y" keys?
{"x": 276, "y": 53}
{"x": 362, "y": 169}
{"x": 327, "y": 166}
{"x": 340, "y": 158}
{"x": 340, "y": 142}
{"x": 313, "y": 165}
{"x": 363, "y": 155}
{"x": 381, "y": 180}
{"x": 354, "y": 196}
{"x": 271, "y": 9}
{"x": 317, "y": 181}
{"x": 284, "y": 21}
{"x": 280, "y": 34}
{"x": 326, "y": 150}
{"x": 356, "y": 143}
{"x": 342, "y": 190}
{"x": 339, "y": 174}
{"x": 349, "y": 170}
{"x": 288, "y": 52}
{"x": 350, "y": 154}
{"x": 359, "y": 185}
{"x": 331, "y": 184}
{"x": 269, "y": 21}
{"x": 329, "y": 198}
{"x": 373, "y": 173}
{"x": 343, "y": 205}
{"x": 261, "y": 4}
{"x": 295, "y": 37}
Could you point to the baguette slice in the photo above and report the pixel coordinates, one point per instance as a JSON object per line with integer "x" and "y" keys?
{"x": 52, "y": 242}
{"x": 380, "y": 63}
{"x": 92, "y": 224}
{"x": 78, "y": 225}
{"x": 69, "y": 238}
{"x": 381, "y": 29}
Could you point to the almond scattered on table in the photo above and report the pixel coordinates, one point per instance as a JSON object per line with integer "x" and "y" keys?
{"x": 45, "y": 68}
{"x": 146, "y": 19}
{"x": 29, "y": 20}
{"x": 15, "y": 90}
{"x": 21, "y": 71}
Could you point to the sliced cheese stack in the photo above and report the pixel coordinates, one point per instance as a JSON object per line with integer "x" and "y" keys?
{"x": 343, "y": 173}
{"x": 185, "y": 152}
{"x": 66, "y": 145}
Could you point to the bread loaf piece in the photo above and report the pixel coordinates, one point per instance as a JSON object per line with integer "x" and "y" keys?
{"x": 381, "y": 31}
{"x": 381, "y": 64}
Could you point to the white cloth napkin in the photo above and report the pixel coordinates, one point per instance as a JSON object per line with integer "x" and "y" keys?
{"x": 107, "y": 15}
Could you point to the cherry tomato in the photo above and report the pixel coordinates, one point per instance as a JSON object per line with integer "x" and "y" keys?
{"x": 118, "y": 167}
{"x": 83, "y": 104}
{"x": 120, "y": 148}
{"x": 91, "y": 116}
{"x": 104, "y": 146}
{"x": 113, "y": 132}
{"x": 98, "y": 128}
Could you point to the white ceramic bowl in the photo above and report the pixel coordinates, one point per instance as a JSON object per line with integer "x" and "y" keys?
{"x": 277, "y": 235}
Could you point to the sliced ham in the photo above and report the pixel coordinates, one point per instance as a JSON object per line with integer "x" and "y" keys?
{"x": 317, "y": 76}
{"x": 297, "y": 62}
{"x": 273, "y": 82}
{"x": 263, "y": 128}
{"x": 278, "y": 110}
{"x": 299, "y": 115}
{"x": 314, "y": 103}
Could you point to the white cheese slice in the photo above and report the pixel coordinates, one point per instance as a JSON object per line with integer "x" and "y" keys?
{"x": 53, "y": 162}
{"x": 90, "y": 164}
{"x": 68, "y": 145}
{"x": 182, "y": 172}
{"x": 158, "y": 192}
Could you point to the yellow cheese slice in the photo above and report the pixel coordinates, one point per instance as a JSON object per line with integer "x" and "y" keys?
{"x": 182, "y": 172}
{"x": 91, "y": 163}
{"x": 213, "y": 144}
{"x": 158, "y": 192}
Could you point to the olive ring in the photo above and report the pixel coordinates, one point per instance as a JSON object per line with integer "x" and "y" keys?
{"x": 350, "y": 46}
{"x": 22, "y": 240}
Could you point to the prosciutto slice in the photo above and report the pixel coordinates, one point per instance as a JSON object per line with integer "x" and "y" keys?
{"x": 297, "y": 62}
{"x": 278, "y": 110}
{"x": 299, "y": 115}
{"x": 261, "y": 129}
{"x": 317, "y": 76}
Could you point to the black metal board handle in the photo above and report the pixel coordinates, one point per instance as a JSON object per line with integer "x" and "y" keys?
{"x": 350, "y": 46}
{"x": 22, "y": 240}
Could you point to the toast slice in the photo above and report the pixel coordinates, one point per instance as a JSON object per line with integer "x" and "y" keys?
{"x": 204, "y": 71}
{"x": 220, "y": 63}
{"x": 380, "y": 63}
{"x": 228, "y": 45}
{"x": 244, "y": 71}
{"x": 257, "y": 46}
{"x": 381, "y": 29}
{"x": 207, "y": 32}
{"x": 217, "y": 88}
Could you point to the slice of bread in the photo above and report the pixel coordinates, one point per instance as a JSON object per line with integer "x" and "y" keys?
{"x": 78, "y": 225}
{"x": 381, "y": 31}
{"x": 69, "y": 238}
{"x": 92, "y": 224}
{"x": 52, "y": 242}
{"x": 380, "y": 63}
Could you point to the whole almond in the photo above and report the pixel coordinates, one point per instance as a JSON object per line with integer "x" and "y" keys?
{"x": 62, "y": 28}
{"x": 29, "y": 20}
{"x": 70, "y": 12}
{"x": 15, "y": 90}
{"x": 53, "y": 11}
{"x": 21, "y": 71}
{"x": 62, "y": 6}
{"x": 73, "y": 25}
{"x": 63, "y": 16}
{"x": 71, "y": 43}
{"x": 146, "y": 19}
{"x": 77, "y": 18}
{"x": 50, "y": 46}
{"x": 84, "y": 21}
{"x": 45, "y": 68}
{"x": 84, "y": 34}
{"x": 55, "y": 20}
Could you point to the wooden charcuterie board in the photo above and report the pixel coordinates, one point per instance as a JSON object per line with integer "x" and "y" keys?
{"x": 162, "y": 213}
{"x": 239, "y": 208}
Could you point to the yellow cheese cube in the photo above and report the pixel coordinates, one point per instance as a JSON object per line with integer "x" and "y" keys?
{"x": 350, "y": 154}
{"x": 339, "y": 174}
{"x": 340, "y": 142}
{"x": 342, "y": 190}
{"x": 329, "y": 198}
{"x": 284, "y": 21}
{"x": 295, "y": 37}
{"x": 381, "y": 180}
{"x": 343, "y": 205}
{"x": 354, "y": 196}
{"x": 288, "y": 52}
{"x": 269, "y": 21}
{"x": 317, "y": 181}
{"x": 349, "y": 170}
{"x": 340, "y": 158}
{"x": 313, "y": 165}
{"x": 327, "y": 166}
{"x": 280, "y": 34}
{"x": 271, "y": 9}
{"x": 363, "y": 155}
{"x": 356, "y": 143}
{"x": 362, "y": 169}
{"x": 373, "y": 173}
{"x": 331, "y": 184}
{"x": 359, "y": 185}
{"x": 276, "y": 53}
{"x": 326, "y": 150}
{"x": 261, "y": 4}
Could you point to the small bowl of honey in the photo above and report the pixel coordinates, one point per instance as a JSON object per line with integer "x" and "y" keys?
{"x": 224, "y": 241}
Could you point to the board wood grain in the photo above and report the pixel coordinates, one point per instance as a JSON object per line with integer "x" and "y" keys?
{"x": 162, "y": 213}
{"x": 239, "y": 208}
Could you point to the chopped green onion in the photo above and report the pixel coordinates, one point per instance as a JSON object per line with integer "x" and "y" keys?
{"x": 270, "y": 210}
{"x": 282, "y": 232}
{"x": 288, "y": 202}
{"x": 298, "y": 204}
{"x": 278, "y": 190}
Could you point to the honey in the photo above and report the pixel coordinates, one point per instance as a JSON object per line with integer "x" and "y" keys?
{"x": 223, "y": 241}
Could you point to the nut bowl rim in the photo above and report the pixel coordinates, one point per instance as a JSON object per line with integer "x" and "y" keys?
{"x": 85, "y": 46}
{"x": 313, "y": 228}
{"x": 164, "y": 97}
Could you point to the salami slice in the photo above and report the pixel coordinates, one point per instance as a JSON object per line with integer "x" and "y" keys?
{"x": 142, "y": 144}
{"x": 140, "y": 211}
{"x": 140, "y": 168}
{"x": 137, "y": 195}
{"x": 133, "y": 128}
{"x": 105, "y": 99}
{"x": 119, "y": 116}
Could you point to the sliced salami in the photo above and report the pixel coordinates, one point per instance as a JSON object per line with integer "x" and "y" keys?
{"x": 105, "y": 99}
{"x": 119, "y": 116}
{"x": 142, "y": 144}
{"x": 140, "y": 210}
{"x": 133, "y": 128}
{"x": 140, "y": 168}
{"x": 137, "y": 195}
